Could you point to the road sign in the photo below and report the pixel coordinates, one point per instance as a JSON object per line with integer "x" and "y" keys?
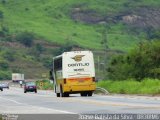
{"x": 41, "y": 83}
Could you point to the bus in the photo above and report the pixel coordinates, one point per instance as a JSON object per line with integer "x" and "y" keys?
{"x": 73, "y": 72}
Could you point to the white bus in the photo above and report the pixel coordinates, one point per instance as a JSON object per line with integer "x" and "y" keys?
{"x": 74, "y": 72}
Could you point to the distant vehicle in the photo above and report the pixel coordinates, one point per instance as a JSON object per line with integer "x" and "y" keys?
{"x": 30, "y": 87}
{"x": 73, "y": 72}
{"x": 16, "y": 77}
{"x": 21, "y": 83}
{"x": 1, "y": 88}
{"x": 4, "y": 85}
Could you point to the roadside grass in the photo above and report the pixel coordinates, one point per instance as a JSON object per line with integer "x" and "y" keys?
{"x": 147, "y": 86}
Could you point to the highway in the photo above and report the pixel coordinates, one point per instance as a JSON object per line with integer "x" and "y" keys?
{"x": 15, "y": 101}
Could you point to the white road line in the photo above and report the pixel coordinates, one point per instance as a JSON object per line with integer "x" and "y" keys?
{"x": 131, "y": 97}
{"x": 115, "y": 103}
{"x": 11, "y": 100}
{"x": 61, "y": 111}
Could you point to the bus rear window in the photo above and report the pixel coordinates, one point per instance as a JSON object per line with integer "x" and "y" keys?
{"x": 58, "y": 64}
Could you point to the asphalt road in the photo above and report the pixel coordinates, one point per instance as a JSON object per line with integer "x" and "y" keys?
{"x": 15, "y": 101}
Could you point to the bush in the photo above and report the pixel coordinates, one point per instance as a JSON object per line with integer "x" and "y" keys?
{"x": 9, "y": 55}
{"x": 40, "y": 48}
{"x": 25, "y": 38}
{"x": 3, "y": 1}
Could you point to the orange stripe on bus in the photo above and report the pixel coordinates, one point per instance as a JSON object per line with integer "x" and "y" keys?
{"x": 75, "y": 79}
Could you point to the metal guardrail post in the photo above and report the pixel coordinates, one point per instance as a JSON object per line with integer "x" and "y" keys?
{"x": 102, "y": 89}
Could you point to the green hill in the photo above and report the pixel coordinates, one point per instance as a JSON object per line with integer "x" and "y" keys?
{"x": 83, "y": 22}
{"x": 79, "y": 21}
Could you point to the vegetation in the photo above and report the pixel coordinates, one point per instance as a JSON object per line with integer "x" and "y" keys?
{"x": 142, "y": 62}
{"x": 147, "y": 86}
{"x": 44, "y": 85}
{"x": 32, "y": 32}
{"x": 58, "y": 21}
{"x": 25, "y": 38}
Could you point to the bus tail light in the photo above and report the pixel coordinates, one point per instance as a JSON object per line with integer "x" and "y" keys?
{"x": 65, "y": 81}
{"x": 93, "y": 79}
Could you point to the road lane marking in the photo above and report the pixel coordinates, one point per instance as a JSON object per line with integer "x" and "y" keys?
{"x": 51, "y": 93}
{"x": 11, "y": 100}
{"x": 19, "y": 103}
{"x": 131, "y": 97}
{"x": 96, "y": 102}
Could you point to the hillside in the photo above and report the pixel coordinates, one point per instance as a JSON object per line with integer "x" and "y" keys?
{"x": 82, "y": 23}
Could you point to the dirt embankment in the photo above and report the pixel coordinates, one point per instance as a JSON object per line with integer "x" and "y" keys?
{"x": 141, "y": 17}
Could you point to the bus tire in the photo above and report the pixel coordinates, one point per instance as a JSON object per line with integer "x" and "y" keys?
{"x": 61, "y": 92}
{"x": 66, "y": 94}
{"x": 90, "y": 93}
{"x": 35, "y": 91}
{"x": 58, "y": 94}
{"x": 83, "y": 94}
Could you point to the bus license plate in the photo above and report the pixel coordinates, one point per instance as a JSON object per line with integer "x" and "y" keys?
{"x": 81, "y": 80}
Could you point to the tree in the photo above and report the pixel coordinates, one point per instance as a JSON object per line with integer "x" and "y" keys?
{"x": 4, "y": 65}
{"x": 47, "y": 62}
{"x": 141, "y": 62}
{"x": 5, "y": 75}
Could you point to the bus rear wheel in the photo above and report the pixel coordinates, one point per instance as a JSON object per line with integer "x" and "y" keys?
{"x": 84, "y": 94}
{"x": 66, "y": 94}
{"x": 58, "y": 94}
{"x": 61, "y": 93}
{"x": 90, "y": 93}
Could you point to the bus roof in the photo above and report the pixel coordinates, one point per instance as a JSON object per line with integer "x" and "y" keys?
{"x": 59, "y": 56}
{"x": 56, "y": 57}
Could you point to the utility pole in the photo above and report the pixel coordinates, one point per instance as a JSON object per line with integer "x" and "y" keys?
{"x": 105, "y": 46}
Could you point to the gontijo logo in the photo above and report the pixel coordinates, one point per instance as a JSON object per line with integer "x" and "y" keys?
{"x": 78, "y": 58}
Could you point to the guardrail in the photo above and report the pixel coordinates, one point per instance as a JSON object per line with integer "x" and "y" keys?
{"x": 103, "y": 90}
